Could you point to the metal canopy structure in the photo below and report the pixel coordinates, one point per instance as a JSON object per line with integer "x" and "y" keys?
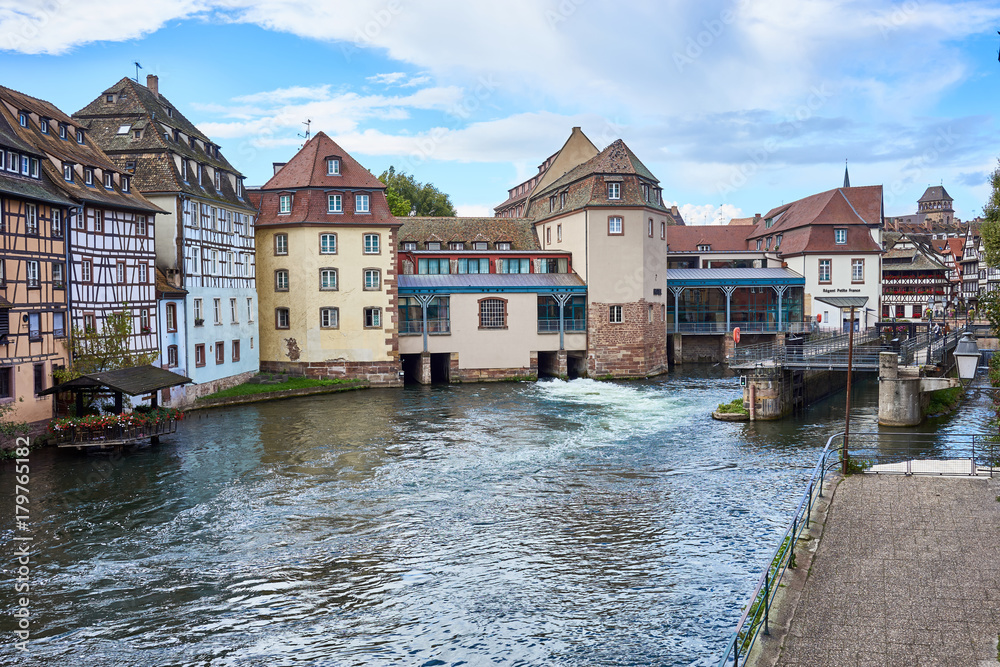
{"x": 132, "y": 381}
{"x": 843, "y": 301}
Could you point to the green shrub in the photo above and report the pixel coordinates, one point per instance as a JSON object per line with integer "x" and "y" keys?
{"x": 733, "y": 408}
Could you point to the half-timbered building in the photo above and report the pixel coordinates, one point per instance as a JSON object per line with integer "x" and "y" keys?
{"x": 110, "y": 227}
{"x": 33, "y": 317}
{"x": 204, "y": 240}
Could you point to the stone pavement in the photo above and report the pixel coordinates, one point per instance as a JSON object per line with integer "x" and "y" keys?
{"x": 907, "y": 572}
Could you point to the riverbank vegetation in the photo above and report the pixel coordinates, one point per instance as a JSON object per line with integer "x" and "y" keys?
{"x": 735, "y": 407}
{"x": 944, "y": 401}
{"x": 249, "y": 388}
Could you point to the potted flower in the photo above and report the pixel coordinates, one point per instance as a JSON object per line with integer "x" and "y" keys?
{"x": 146, "y": 329}
{"x": 198, "y": 322}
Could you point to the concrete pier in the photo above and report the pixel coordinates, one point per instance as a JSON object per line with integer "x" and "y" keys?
{"x": 903, "y": 395}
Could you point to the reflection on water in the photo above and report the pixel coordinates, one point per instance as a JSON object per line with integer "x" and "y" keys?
{"x": 557, "y": 523}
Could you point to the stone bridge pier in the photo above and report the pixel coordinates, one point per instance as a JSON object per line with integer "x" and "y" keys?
{"x": 903, "y": 395}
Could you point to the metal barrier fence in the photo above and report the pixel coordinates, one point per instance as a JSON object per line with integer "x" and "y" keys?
{"x": 879, "y": 453}
{"x": 745, "y": 327}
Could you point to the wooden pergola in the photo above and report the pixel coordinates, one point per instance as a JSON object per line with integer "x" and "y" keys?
{"x": 136, "y": 381}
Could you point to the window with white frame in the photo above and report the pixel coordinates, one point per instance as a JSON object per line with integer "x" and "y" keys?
{"x": 824, "y": 270}
{"x": 249, "y": 309}
{"x": 199, "y": 317}
{"x": 328, "y": 244}
{"x": 281, "y": 280}
{"x": 86, "y": 267}
{"x": 31, "y": 219}
{"x": 857, "y": 270}
{"x": 217, "y": 307}
{"x": 334, "y": 204}
{"x": 373, "y": 279}
{"x": 32, "y": 268}
{"x": 120, "y": 273}
{"x": 614, "y": 190}
{"x": 328, "y": 279}
{"x": 329, "y": 318}
{"x": 285, "y": 204}
{"x": 840, "y": 236}
{"x": 58, "y": 275}
{"x": 233, "y": 311}
{"x": 615, "y": 225}
{"x": 144, "y": 321}
{"x": 371, "y": 244}
{"x": 373, "y": 318}
{"x": 332, "y": 166}
{"x": 361, "y": 203}
{"x": 171, "y": 317}
{"x": 143, "y": 273}
{"x": 281, "y": 244}
{"x": 615, "y": 314}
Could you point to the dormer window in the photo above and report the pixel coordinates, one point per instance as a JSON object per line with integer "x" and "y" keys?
{"x": 23, "y": 119}
{"x": 110, "y": 98}
{"x": 285, "y": 204}
{"x": 88, "y": 176}
{"x": 201, "y": 172}
{"x": 409, "y": 245}
{"x": 34, "y": 167}
{"x": 767, "y": 243}
{"x": 614, "y": 190}
{"x": 333, "y": 166}
{"x": 108, "y": 179}
{"x": 552, "y": 203}
{"x": 777, "y": 241}
{"x": 239, "y": 187}
{"x": 177, "y": 136}
{"x": 759, "y": 243}
{"x": 433, "y": 245}
{"x": 184, "y": 170}
{"x": 503, "y": 245}
{"x": 68, "y": 171}
{"x": 62, "y": 131}
{"x": 562, "y": 200}
{"x": 768, "y": 223}
{"x": 456, "y": 245}
{"x": 170, "y": 112}
{"x": 126, "y": 184}
{"x": 43, "y": 125}
{"x": 25, "y": 165}
{"x": 218, "y": 180}
{"x": 480, "y": 245}
{"x": 79, "y": 136}
{"x": 840, "y": 236}
{"x": 137, "y": 134}
{"x": 705, "y": 247}
{"x": 361, "y": 203}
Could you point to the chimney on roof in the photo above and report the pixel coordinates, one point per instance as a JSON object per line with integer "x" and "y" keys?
{"x": 278, "y": 166}
{"x": 673, "y": 210}
{"x": 153, "y": 83}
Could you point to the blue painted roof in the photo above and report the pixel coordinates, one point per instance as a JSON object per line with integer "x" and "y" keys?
{"x": 738, "y": 277}
{"x": 491, "y": 282}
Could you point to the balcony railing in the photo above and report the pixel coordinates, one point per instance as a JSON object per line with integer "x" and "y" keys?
{"x": 745, "y": 327}
{"x": 410, "y": 327}
{"x": 552, "y": 325}
{"x": 116, "y": 434}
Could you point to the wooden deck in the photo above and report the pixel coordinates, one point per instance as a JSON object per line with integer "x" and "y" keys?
{"x": 114, "y": 436}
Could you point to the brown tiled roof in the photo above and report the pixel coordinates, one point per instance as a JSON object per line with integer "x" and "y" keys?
{"x": 744, "y": 221}
{"x": 585, "y": 187}
{"x": 308, "y": 169}
{"x": 87, "y": 154}
{"x": 155, "y": 169}
{"x": 305, "y": 178}
{"x": 520, "y": 232}
{"x": 935, "y": 193}
{"x": 165, "y": 289}
{"x": 722, "y": 238}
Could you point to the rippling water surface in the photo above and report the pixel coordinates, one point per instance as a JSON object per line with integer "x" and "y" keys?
{"x": 557, "y": 523}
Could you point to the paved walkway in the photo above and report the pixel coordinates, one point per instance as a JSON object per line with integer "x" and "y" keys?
{"x": 907, "y": 572}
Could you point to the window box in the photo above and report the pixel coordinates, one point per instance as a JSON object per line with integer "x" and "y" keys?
{"x": 199, "y": 322}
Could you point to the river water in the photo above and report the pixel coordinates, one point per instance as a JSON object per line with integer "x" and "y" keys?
{"x": 550, "y": 523}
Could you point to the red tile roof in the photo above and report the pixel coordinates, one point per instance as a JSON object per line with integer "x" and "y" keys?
{"x": 307, "y": 169}
{"x": 722, "y": 238}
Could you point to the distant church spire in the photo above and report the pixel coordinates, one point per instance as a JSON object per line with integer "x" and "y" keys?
{"x": 847, "y": 178}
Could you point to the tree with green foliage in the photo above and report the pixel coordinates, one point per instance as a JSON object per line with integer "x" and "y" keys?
{"x": 990, "y": 229}
{"x": 398, "y": 206}
{"x": 424, "y": 197}
{"x": 110, "y": 349}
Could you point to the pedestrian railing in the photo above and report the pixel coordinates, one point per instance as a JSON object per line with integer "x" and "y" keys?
{"x": 878, "y": 453}
{"x": 754, "y": 620}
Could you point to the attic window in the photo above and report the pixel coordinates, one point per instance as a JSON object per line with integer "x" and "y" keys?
{"x": 456, "y": 245}
{"x": 43, "y": 125}
{"x": 110, "y": 98}
{"x": 332, "y": 166}
{"x": 503, "y": 245}
{"x": 705, "y": 247}
{"x": 480, "y": 245}
{"x": 130, "y": 166}
{"x": 62, "y": 131}
{"x": 79, "y": 136}
{"x": 218, "y": 180}
{"x": 170, "y": 112}
{"x": 23, "y": 119}
{"x": 409, "y": 245}
{"x": 768, "y": 223}
{"x": 126, "y": 184}
{"x": 108, "y": 179}
{"x": 433, "y": 245}
{"x": 137, "y": 134}
{"x": 124, "y": 129}
{"x": 777, "y": 241}
{"x": 840, "y": 236}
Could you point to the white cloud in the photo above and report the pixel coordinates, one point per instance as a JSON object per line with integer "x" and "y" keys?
{"x": 474, "y": 210}
{"x": 708, "y": 214}
{"x": 387, "y": 78}
{"x": 286, "y": 95}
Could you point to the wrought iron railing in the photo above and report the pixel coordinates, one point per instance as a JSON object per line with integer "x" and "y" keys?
{"x": 552, "y": 325}
{"x": 114, "y": 434}
{"x": 880, "y": 453}
{"x": 417, "y": 326}
{"x": 817, "y": 350}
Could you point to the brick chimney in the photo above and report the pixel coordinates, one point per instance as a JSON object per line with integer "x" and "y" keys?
{"x": 153, "y": 83}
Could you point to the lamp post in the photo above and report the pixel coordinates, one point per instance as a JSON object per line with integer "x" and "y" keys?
{"x": 967, "y": 357}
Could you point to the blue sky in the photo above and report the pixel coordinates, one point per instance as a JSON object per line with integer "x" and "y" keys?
{"x": 737, "y": 106}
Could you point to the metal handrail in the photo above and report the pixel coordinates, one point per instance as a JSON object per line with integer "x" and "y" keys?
{"x": 983, "y": 451}
{"x": 755, "y": 615}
